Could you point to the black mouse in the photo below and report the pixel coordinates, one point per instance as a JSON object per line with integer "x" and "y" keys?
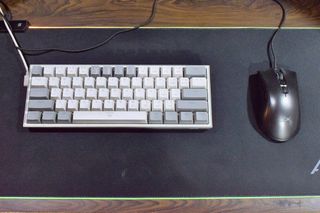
{"x": 275, "y": 103}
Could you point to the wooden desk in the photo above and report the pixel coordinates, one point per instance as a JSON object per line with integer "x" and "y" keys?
{"x": 170, "y": 13}
{"x": 185, "y": 206}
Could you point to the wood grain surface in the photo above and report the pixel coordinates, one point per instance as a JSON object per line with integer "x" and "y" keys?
{"x": 170, "y": 13}
{"x": 185, "y": 206}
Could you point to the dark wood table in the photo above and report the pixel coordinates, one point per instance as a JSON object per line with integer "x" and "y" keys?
{"x": 186, "y": 205}
{"x": 170, "y": 13}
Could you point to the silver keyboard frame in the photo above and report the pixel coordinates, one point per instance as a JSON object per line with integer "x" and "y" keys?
{"x": 143, "y": 126}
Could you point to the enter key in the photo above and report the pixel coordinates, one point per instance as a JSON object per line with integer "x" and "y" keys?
{"x": 194, "y": 94}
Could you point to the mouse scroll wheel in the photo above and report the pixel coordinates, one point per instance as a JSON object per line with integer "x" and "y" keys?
{"x": 283, "y": 82}
{"x": 284, "y": 86}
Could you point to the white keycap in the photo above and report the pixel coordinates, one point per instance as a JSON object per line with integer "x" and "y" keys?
{"x": 101, "y": 82}
{"x": 139, "y": 94}
{"x": 157, "y": 105}
{"x": 84, "y": 71}
{"x": 124, "y": 82}
{"x": 120, "y": 117}
{"x": 77, "y": 82}
{"x": 115, "y": 94}
{"x": 169, "y": 105}
{"x": 177, "y": 72}
{"x": 92, "y": 93}
{"x": 142, "y": 71}
{"x": 172, "y": 83}
{"x": 133, "y": 105}
{"x": 151, "y": 94}
{"x": 39, "y": 82}
{"x": 136, "y": 82}
{"x": 79, "y": 93}
{"x": 96, "y": 105}
{"x": 160, "y": 83}
{"x": 61, "y": 71}
{"x": 183, "y": 83}
{"x": 65, "y": 82}
{"x": 85, "y": 105}
{"x": 103, "y": 94}
{"x": 175, "y": 94}
{"x": 145, "y": 105}
{"x": 89, "y": 82}
{"x": 67, "y": 93}
{"x": 54, "y": 82}
{"x": 61, "y": 105}
{"x": 113, "y": 82}
{"x": 154, "y": 71}
{"x": 148, "y": 82}
{"x": 48, "y": 71}
{"x": 72, "y": 71}
{"x": 121, "y": 105}
{"x": 108, "y": 105}
{"x": 198, "y": 83}
{"x": 73, "y": 105}
{"x": 166, "y": 71}
{"x": 127, "y": 94}
{"x": 56, "y": 93}
{"x": 163, "y": 94}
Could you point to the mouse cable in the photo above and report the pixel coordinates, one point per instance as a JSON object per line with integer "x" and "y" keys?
{"x": 28, "y": 51}
{"x": 271, "y": 55}
{"x": 16, "y": 44}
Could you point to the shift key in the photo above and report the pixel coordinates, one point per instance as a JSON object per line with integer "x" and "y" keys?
{"x": 41, "y": 105}
{"x": 191, "y": 106}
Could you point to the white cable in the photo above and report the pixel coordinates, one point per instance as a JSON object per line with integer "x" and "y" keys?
{"x": 25, "y": 64}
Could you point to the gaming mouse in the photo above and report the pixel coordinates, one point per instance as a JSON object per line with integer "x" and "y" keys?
{"x": 275, "y": 102}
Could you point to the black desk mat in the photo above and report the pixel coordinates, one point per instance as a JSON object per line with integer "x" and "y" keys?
{"x": 231, "y": 159}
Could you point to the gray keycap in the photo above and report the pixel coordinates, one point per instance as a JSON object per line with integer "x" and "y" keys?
{"x": 155, "y": 118}
{"x": 131, "y": 71}
{"x": 194, "y": 94}
{"x": 64, "y": 117}
{"x": 95, "y": 71}
{"x": 34, "y": 117}
{"x": 49, "y": 117}
{"x": 201, "y": 118}
{"x": 191, "y": 106}
{"x": 39, "y": 93}
{"x": 186, "y": 118}
{"x": 118, "y": 71}
{"x": 41, "y": 105}
{"x": 107, "y": 71}
{"x": 170, "y": 118}
{"x": 36, "y": 71}
{"x": 195, "y": 71}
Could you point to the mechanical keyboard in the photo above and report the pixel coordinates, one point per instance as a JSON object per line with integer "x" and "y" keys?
{"x": 119, "y": 96}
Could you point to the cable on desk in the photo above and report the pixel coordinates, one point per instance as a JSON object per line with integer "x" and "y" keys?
{"x": 271, "y": 55}
{"x": 28, "y": 51}
{"x": 16, "y": 44}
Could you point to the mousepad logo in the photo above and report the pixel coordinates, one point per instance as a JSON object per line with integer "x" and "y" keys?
{"x": 316, "y": 168}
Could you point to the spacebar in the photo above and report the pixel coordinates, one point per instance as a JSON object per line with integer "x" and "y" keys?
{"x": 112, "y": 117}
